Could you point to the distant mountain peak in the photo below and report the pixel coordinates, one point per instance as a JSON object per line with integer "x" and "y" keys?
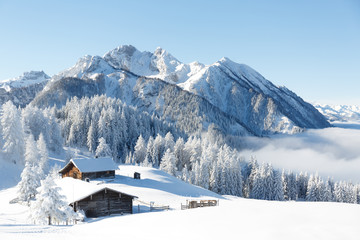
{"x": 341, "y": 113}
{"x": 22, "y": 90}
{"x": 24, "y": 80}
{"x": 235, "y": 91}
{"x": 159, "y": 51}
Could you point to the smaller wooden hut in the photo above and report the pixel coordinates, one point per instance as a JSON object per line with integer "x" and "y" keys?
{"x": 104, "y": 202}
{"x": 95, "y": 200}
{"x": 83, "y": 168}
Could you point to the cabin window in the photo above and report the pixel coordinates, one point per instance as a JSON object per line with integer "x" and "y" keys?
{"x": 74, "y": 175}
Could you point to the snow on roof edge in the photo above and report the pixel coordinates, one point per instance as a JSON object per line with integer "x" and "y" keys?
{"x": 86, "y": 165}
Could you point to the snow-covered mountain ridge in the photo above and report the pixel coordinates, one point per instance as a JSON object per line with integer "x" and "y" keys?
{"x": 23, "y": 89}
{"x": 340, "y": 113}
{"x": 25, "y": 80}
{"x": 158, "y": 82}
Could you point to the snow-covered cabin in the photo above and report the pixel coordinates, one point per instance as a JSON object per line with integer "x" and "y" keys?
{"x": 82, "y": 168}
{"x": 95, "y": 200}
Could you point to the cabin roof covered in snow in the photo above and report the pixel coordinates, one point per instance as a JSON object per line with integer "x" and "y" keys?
{"x": 86, "y": 165}
{"x": 75, "y": 190}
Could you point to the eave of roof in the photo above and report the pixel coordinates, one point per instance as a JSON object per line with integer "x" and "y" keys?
{"x": 102, "y": 189}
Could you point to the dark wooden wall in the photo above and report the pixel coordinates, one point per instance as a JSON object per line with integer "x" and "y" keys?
{"x": 104, "y": 174}
{"x": 104, "y": 203}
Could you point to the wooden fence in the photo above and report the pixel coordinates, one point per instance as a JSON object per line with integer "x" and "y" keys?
{"x": 152, "y": 206}
{"x": 202, "y": 203}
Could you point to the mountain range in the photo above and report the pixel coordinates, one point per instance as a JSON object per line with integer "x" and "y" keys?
{"x": 231, "y": 97}
{"x": 340, "y": 113}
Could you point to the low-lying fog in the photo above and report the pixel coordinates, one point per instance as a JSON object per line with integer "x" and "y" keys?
{"x": 333, "y": 152}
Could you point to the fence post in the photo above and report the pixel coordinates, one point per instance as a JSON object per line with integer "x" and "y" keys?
{"x": 151, "y": 206}
{"x": 138, "y": 208}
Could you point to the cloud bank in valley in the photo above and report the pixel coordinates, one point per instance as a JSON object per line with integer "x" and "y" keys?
{"x": 333, "y": 152}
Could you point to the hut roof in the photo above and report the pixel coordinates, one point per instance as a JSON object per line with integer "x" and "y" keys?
{"x": 86, "y": 165}
{"x": 75, "y": 190}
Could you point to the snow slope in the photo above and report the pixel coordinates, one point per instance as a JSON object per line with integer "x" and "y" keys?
{"x": 154, "y": 186}
{"x": 234, "y": 218}
{"x": 10, "y": 174}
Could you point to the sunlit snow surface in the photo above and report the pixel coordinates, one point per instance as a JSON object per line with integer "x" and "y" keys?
{"x": 235, "y": 218}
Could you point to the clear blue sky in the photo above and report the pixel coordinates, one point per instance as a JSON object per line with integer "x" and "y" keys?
{"x": 310, "y": 46}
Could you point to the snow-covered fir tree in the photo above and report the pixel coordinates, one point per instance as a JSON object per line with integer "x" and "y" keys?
{"x": 158, "y": 150}
{"x": 43, "y": 154}
{"x": 150, "y": 151}
{"x": 13, "y": 133}
{"x": 102, "y": 149}
{"x": 168, "y": 162}
{"x": 302, "y": 184}
{"x": 169, "y": 141}
{"x": 140, "y": 150}
{"x": 278, "y": 190}
{"x": 129, "y": 159}
{"x": 91, "y": 138}
{"x": 290, "y": 185}
{"x": 49, "y": 206}
{"x": 179, "y": 152}
{"x": 31, "y": 175}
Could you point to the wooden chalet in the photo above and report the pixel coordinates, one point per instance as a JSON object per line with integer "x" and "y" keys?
{"x": 89, "y": 168}
{"x": 95, "y": 200}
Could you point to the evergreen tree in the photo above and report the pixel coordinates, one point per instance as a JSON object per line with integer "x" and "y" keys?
{"x": 311, "y": 194}
{"x": 103, "y": 149}
{"x": 185, "y": 176}
{"x": 129, "y": 159}
{"x": 169, "y": 141}
{"x": 213, "y": 181}
{"x": 268, "y": 182}
{"x": 44, "y": 158}
{"x": 50, "y": 205}
{"x": 158, "y": 150}
{"x": 13, "y": 133}
{"x": 252, "y": 170}
{"x": 237, "y": 177}
{"x": 150, "y": 151}
{"x": 30, "y": 176}
{"x": 91, "y": 138}
{"x": 55, "y": 138}
{"x": 204, "y": 171}
{"x": 257, "y": 190}
{"x": 179, "y": 153}
{"x": 302, "y": 182}
{"x": 291, "y": 187}
{"x": 278, "y": 191}
{"x": 140, "y": 150}
{"x": 168, "y": 162}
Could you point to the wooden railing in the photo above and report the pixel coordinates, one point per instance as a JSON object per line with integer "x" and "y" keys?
{"x": 202, "y": 203}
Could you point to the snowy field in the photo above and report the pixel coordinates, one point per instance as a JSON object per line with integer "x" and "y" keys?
{"x": 234, "y": 217}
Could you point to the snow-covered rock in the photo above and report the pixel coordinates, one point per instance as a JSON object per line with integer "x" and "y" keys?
{"x": 23, "y": 89}
{"x": 25, "y": 80}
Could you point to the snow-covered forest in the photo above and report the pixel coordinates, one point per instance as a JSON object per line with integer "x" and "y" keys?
{"x": 106, "y": 126}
